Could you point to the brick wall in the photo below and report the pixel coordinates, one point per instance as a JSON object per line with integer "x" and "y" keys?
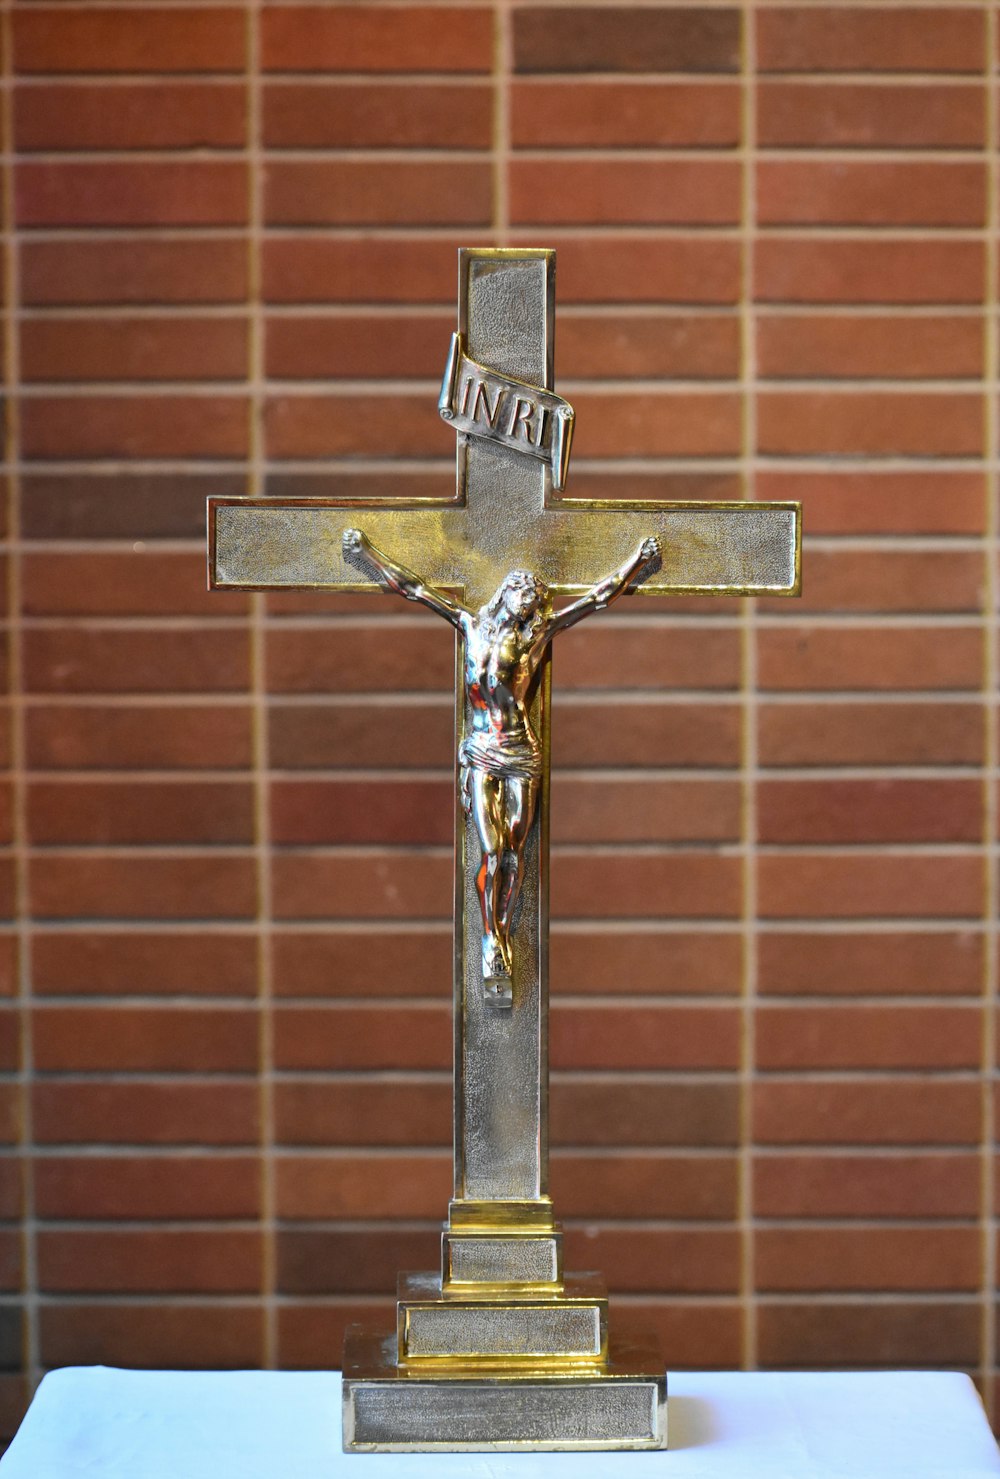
{"x": 229, "y": 265}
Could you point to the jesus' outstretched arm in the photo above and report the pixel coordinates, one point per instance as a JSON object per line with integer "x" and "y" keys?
{"x": 639, "y": 567}
{"x": 366, "y": 557}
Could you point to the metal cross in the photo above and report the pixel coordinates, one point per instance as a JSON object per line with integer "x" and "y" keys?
{"x": 504, "y": 516}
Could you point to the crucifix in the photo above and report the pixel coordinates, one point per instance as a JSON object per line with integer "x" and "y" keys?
{"x": 500, "y": 1348}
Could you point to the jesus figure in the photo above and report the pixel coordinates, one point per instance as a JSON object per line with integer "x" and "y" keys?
{"x": 500, "y": 759}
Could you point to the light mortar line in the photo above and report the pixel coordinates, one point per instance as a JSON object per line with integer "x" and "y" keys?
{"x": 258, "y": 679}
{"x": 748, "y": 663}
{"x": 19, "y": 821}
{"x": 991, "y": 655}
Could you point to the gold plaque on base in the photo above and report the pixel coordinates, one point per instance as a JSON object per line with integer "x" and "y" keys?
{"x": 621, "y": 1403}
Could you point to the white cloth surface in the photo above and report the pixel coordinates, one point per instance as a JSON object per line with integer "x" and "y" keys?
{"x": 94, "y": 1422}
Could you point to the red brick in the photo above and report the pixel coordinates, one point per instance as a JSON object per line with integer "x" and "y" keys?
{"x": 866, "y": 193}
{"x": 207, "y": 1336}
{"x": 652, "y": 810}
{"x": 907, "y": 658}
{"x": 641, "y": 1109}
{"x": 308, "y": 736}
{"x": 691, "y": 657}
{"x": 316, "y": 269}
{"x": 870, "y": 811}
{"x": 402, "y": 884}
{"x": 653, "y": 192}
{"x": 376, "y": 115}
{"x": 13, "y": 1402}
{"x": 856, "y": 1037}
{"x": 363, "y": 1112}
{"x": 176, "y": 426}
{"x": 145, "y": 1039}
{"x": 700, "y": 1337}
{"x": 652, "y": 729}
{"x": 131, "y": 1261}
{"x": 108, "y": 660}
{"x": 10, "y": 1039}
{"x": 653, "y": 345}
{"x": 361, "y": 660}
{"x": 879, "y": 423}
{"x": 140, "y": 582}
{"x": 924, "y": 962}
{"x": 875, "y": 1258}
{"x": 140, "y": 812}
{"x": 11, "y": 1187}
{"x": 184, "y": 1112}
{"x": 863, "y": 1334}
{"x": 10, "y": 1113}
{"x": 880, "y": 271}
{"x": 886, "y": 581}
{"x": 338, "y": 1261}
{"x": 11, "y": 1261}
{"x": 131, "y": 887}
{"x": 873, "y": 500}
{"x": 900, "y": 1110}
{"x": 109, "y": 193}
{"x": 178, "y": 1187}
{"x": 586, "y": 1184}
{"x": 349, "y": 1037}
{"x": 846, "y": 733}
{"x": 671, "y": 1261}
{"x": 344, "y": 347}
{"x": 141, "y": 962}
{"x": 122, "y": 40}
{"x": 8, "y": 964}
{"x": 654, "y": 1036}
{"x": 689, "y": 883}
{"x": 318, "y": 425}
{"x": 347, "y": 192}
{"x": 120, "y": 270}
{"x": 611, "y": 114}
{"x": 357, "y": 960}
{"x": 365, "y": 38}
{"x": 307, "y": 1333}
{"x": 870, "y": 885}
{"x": 594, "y": 268}
{"x": 134, "y": 349}
{"x": 356, "y": 811}
{"x": 166, "y": 737}
{"x": 675, "y": 424}
{"x": 832, "y": 39}
{"x": 352, "y": 1186}
{"x": 911, "y": 1185}
{"x": 132, "y": 115}
{"x": 663, "y": 962}
{"x": 869, "y": 115}
{"x": 894, "y": 347}
{"x": 627, "y": 39}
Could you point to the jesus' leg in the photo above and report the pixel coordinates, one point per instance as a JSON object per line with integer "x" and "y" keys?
{"x": 487, "y": 813}
{"x": 519, "y": 799}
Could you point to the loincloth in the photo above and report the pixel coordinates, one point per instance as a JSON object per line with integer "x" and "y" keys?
{"x": 518, "y": 757}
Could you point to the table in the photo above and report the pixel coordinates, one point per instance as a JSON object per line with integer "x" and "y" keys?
{"x": 103, "y": 1423}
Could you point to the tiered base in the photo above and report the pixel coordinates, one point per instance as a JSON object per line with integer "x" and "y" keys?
{"x": 394, "y": 1409}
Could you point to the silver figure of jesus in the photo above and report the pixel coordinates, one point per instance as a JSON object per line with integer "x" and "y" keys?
{"x": 500, "y": 757}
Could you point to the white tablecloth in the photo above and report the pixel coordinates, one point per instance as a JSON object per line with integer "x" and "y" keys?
{"x": 93, "y": 1422}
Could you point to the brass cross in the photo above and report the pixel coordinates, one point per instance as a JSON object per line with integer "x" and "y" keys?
{"x": 513, "y": 445}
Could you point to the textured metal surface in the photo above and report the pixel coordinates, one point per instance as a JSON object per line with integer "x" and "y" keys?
{"x": 500, "y": 1332}
{"x": 482, "y": 1327}
{"x": 512, "y": 1259}
{"x": 623, "y": 1407}
{"x": 708, "y": 548}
